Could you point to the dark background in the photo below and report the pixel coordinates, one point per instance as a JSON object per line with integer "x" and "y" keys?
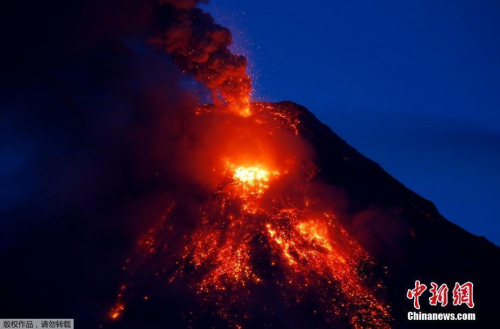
{"x": 86, "y": 112}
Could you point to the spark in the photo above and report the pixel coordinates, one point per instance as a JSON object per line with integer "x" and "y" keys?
{"x": 304, "y": 242}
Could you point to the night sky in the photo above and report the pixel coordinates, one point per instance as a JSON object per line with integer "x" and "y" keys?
{"x": 414, "y": 85}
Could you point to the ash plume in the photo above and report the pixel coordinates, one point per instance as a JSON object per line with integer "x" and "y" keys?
{"x": 201, "y": 48}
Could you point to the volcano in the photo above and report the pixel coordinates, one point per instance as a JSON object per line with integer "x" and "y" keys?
{"x": 285, "y": 225}
{"x": 129, "y": 206}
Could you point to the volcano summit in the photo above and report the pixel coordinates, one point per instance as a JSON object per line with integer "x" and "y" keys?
{"x": 285, "y": 225}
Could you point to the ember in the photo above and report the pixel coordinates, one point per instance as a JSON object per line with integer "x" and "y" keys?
{"x": 260, "y": 221}
{"x": 269, "y": 211}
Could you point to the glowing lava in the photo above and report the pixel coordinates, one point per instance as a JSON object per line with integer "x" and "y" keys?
{"x": 253, "y": 180}
{"x": 116, "y": 311}
{"x": 266, "y": 228}
{"x": 251, "y": 176}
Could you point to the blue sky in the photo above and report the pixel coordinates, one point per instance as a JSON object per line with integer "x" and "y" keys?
{"x": 414, "y": 85}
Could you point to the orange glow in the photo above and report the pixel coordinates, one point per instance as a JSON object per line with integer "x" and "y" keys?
{"x": 249, "y": 184}
{"x": 251, "y": 175}
{"x": 245, "y": 112}
{"x": 263, "y": 210}
{"x": 116, "y": 311}
{"x": 244, "y": 108}
{"x": 253, "y": 179}
{"x": 315, "y": 233}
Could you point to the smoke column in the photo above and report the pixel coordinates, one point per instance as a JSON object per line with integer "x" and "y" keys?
{"x": 201, "y": 47}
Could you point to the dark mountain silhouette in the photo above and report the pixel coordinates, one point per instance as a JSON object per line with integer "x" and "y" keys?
{"x": 418, "y": 243}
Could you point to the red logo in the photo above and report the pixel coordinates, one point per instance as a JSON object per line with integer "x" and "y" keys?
{"x": 462, "y": 294}
{"x": 439, "y": 294}
{"x": 415, "y": 293}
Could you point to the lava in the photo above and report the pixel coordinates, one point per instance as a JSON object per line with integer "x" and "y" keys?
{"x": 248, "y": 217}
{"x": 262, "y": 224}
{"x": 251, "y": 176}
{"x": 252, "y": 181}
{"x": 116, "y": 311}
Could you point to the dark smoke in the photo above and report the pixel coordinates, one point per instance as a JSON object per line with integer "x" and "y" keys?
{"x": 201, "y": 47}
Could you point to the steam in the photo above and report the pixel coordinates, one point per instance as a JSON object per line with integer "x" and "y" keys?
{"x": 201, "y": 47}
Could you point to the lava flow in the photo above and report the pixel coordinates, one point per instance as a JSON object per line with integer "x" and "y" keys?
{"x": 261, "y": 225}
{"x": 249, "y": 233}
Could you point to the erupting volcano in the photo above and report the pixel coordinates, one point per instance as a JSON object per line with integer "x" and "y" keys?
{"x": 262, "y": 222}
{"x": 147, "y": 186}
{"x": 279, "y": 222}
{"x": 283, "y": 224}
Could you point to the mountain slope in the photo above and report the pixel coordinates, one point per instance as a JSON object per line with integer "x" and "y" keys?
{"x": 418, "y": 243}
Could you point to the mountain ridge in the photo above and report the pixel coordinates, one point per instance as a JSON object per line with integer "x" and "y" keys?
{"x": 433, "y": 247}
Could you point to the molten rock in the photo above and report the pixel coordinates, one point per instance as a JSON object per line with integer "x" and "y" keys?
{"x": 285, "y": 225}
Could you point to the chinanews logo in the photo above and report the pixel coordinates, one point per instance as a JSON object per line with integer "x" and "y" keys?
{"x": 462, "y": 294}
